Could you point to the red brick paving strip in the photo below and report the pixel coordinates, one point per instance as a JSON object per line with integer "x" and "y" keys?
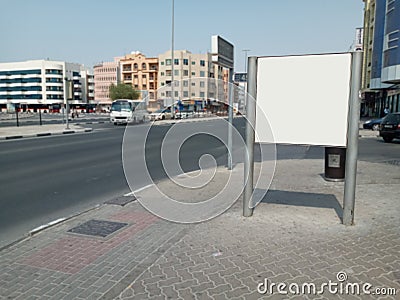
{"x": 73, "y": 253}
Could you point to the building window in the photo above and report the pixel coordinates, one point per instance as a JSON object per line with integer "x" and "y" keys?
{"x": 144, "y": 67}
{"x": 185, "y": 83}
{"x": 176, "y": 72}
{"x": 176, "y": 94}
{"x": 127, "y": 68}
{"x": 168, "y": 62}
{"x": 169, "y": 73}
{"x": 162, "y": 73}
{"x": 176, "y": 61}
{"x": 202, "y": 74}
{"x": 185, "y": 94}
{"x": 135, "y": 66}
{"x": 202, "y": 84}
{"x": 185, "y": 62}
{"x": 193, "y": 94}
{"x": 193, "y": 63}
{"x": 144, "y": 76}
{"x": 162, "y": 63}
{"x": 202, "y": 94}
{"x": 185, "y": 73}
{"x": 193, "y": 73}
{"x": 193, "y": 83}
{"x": 202, "y": 63}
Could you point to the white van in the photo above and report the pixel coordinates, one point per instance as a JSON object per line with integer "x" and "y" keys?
{"x": 124, "y": 111}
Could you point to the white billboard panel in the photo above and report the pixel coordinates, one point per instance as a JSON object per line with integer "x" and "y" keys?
{"x": 305, "y": 99}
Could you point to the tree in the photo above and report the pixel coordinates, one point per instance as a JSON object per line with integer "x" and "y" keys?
{"x": 123, "y": 91}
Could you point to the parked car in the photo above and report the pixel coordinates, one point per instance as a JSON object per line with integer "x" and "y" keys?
{"x": 390, "y": 127}
{"x": 373, "y": 124}
{"x": 161, "y": 114}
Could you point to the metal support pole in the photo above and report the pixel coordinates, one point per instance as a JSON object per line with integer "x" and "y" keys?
{"x": 40, "y": 116}
{"x": 245, "y": 71}
{"x": 67, "y": 108}
{"x": 250, "y": 136}
{"x": 172, "y": 63}
{"x": 230, "y": 118}
{"x": 68, "y": 94}
{"x": 352, "y": 140}
{"x": 16, "y": 114}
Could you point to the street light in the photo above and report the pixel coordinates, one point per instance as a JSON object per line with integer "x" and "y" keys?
{"x": 172, "y": 63}
{"x": 245, "y": 71}
{"x": 68, "y": 94}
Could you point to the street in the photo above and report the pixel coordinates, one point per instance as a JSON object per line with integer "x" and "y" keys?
{"x": 47, "y": 178}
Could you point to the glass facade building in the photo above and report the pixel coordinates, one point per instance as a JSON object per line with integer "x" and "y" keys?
{"x": 382, "y": 20}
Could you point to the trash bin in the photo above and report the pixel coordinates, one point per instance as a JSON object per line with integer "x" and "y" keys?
{"x": 335, "y": 163}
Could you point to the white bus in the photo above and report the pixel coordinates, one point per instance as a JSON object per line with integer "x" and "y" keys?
{"x": 124, "y": 111}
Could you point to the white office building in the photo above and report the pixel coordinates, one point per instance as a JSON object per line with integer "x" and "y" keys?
{"x": 41, "y": 82}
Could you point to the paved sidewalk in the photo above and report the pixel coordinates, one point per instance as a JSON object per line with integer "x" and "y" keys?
{"x": 295, "y": 236}
{"x": 7, "y": 133}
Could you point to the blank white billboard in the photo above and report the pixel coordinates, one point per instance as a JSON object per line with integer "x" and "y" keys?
{"x": 304, "y": 98}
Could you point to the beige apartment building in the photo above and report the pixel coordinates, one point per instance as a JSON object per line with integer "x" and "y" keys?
{"x": 141, "y": 72}
{"x": 105, "y": 74}
{"x": 192, "y": 74}
{"x": 369, "y": 23}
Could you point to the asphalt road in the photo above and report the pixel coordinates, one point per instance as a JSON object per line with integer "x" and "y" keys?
{"x": 43, "y": 179}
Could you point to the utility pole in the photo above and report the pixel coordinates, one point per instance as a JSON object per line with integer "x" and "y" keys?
{"x": 172, "y": 63}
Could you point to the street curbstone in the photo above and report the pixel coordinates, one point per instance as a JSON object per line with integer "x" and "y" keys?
{"x": 13, "y": 137}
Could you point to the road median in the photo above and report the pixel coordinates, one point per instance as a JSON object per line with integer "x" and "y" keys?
{"x": 11, "y": 133}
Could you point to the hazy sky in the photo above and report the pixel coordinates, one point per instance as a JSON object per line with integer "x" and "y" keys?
{"x": 92, "y": 31}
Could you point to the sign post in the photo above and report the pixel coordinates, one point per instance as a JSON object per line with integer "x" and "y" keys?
{"x": 250, "y": 136}
{"x": 352, "y": 140}
{"x": 338, "y": 110}
{"x": 223, "y": 55}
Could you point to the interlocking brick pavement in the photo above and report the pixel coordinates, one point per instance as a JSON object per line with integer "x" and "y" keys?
{"x": 295, "y": 236}
{"x": 287, "y": 243}
{"x": 56, "y": 264}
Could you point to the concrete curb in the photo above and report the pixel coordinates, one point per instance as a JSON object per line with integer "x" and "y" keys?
{"x": 42, "y": 134}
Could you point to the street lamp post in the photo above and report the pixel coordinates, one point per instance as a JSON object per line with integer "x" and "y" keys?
{"x": 245, "y": 71}
{"x": 68, "y": 91}
{"x": 172, "y": 63}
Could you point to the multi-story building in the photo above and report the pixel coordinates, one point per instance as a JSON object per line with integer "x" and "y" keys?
{"x": 41, "y": 83}
{"x": 381, "y": 65}
{"x": 193, "y": 78}
{"x": 105, "y": 74}
{"x": 141, "y": 72}
{"x": 89, "y": 79}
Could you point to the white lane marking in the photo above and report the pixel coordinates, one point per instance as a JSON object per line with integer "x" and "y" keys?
{"x": 139, "y": 190}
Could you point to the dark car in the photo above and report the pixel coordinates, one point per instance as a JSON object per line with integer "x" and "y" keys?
{"x": 373, "y": 124}
{"x": 390, "y": 127}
